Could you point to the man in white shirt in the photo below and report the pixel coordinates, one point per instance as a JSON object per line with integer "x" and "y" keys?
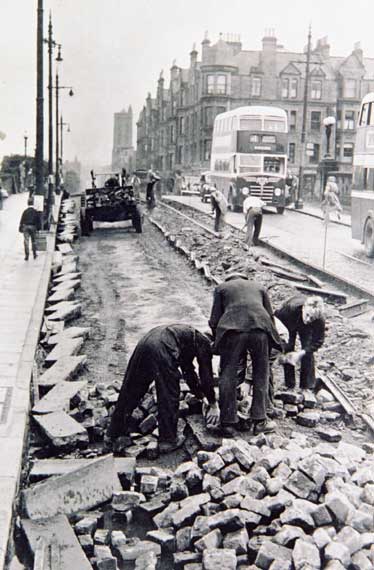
{"x": 252, "y": 210}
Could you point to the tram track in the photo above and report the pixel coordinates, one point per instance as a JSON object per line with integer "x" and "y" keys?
{"x": 335, "y": 384}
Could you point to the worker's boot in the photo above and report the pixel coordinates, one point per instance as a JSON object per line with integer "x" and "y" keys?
{"x": 168, "y": 446}
{"x": 264, "y": 426}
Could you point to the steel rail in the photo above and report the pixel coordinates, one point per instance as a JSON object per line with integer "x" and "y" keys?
{"x": 345, "y": 284}
{"x": 341, "y": 397}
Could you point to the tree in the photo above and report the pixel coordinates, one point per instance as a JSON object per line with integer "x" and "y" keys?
{"x": 12, "y": 167}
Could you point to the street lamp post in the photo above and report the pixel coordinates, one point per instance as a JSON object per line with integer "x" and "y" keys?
{"x": 25, "y": 138}
{"x": 62, "y": 125}
{"x": 328, "y": 163}
{"x": 39, "y": 150}
{"x": 71, "y": 93}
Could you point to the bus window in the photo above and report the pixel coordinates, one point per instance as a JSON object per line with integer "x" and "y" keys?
{"x": 269, "y": 139}
{"x": 276, "y": 125}
{"x": 371, "y": 115}
{"x": 365, "y": 179}
{"x": 364, "y": 114}
{"x": 250, "y": 163}
{"x": 274, "y": 164}
{"x": 250, "y": 123}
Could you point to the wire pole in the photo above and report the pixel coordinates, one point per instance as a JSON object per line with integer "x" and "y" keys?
{"x": 39, "y": 151}
{"x": 299, "y": 201}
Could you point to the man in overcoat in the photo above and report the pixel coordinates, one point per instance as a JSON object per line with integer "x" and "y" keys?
{"x": 242, "y": 321}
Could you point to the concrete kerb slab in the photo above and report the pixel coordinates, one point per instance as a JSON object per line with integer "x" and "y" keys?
{"x": 14, "y": 432}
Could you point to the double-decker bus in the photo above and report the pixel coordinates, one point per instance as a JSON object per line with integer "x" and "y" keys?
{"x": 249, "y": 150}
{"x": 362, "y": 205}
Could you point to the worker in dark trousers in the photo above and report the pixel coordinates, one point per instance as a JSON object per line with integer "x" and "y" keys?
{"x": 303, "y": 316}
{"x": 150, "y": 198}
{"x": 219, "y": 208}
{"x": 29, "y": 224}
{"x": 163, "y": 355}
{"x": 242, "y": 321}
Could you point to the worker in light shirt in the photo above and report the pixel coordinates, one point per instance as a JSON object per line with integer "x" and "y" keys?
{"x": 252, "y": 210}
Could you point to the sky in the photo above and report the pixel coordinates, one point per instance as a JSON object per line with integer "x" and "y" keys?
{"x": 114, "y": 50}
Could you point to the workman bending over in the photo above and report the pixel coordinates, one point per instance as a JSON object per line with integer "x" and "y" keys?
{"x": 303, "y": 316}
{"x": 163, "y": 355}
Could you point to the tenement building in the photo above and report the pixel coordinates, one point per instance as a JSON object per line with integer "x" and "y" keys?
{"x": 174, "y": 128}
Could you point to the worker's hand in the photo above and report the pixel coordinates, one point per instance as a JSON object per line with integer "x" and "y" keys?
{"x": 293, "y": 358}
{"x": 212, "y": 415}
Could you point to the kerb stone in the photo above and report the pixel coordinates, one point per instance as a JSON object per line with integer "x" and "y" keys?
{"x": 59, "y": 397}
{"x": 67, "y": 347}
{"x": 58, "y": 530}
{"x": 61, "y": 429}
{"x": 80, "y": 490}
{"x": 62, "y": 371}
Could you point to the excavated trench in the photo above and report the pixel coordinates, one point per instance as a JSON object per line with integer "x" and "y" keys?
{"x": 131, "y": 283}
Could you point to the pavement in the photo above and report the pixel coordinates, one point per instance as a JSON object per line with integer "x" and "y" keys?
{"x": 24, "y": 285}
{"x": 314, "y": 210}
{"x": 301, "y": 234}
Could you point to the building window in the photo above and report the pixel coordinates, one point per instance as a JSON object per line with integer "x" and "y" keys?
{"x": 207, "y": 148}
{"x": 179, "y": 154}
{"x": 293, "y": 118}
{"x": 256, "y": 87}
{"x": 348, "y": 152}
{"x": 285, "y": 88}
{"x": 293, "y": 88}
{"x": 291, "y": 152}
{"x": 313, "y": 151}
{"x": 216, "y": 84}
{"x": 350, "y": 88}
{"x": 349, "y": 120}
{"x": 208, "y": 116}
{"x": 172, "y": 134}
{"x": 315, "y": 120}
{"x": 221, "y": 85}
{"x": 183, "y": 98}
{"x": 210, "y": 84}
{"x": 316, "y": 89}
{"x": 181, "y": 126}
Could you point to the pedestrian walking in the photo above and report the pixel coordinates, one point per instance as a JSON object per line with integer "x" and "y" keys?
{"x": 152, "y": 178}
{"x": 252, "y": 210}
{"x": 219, "y": 208}
{"x": 242, "y": 321}
{"x": 163, "y": 355}
{"x": 331, "y": 202}
{"x": 303, "y": 317}
{"x": 29, "y": 225}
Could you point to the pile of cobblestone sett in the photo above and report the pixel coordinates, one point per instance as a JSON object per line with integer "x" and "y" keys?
{"x": 272, "y": 503}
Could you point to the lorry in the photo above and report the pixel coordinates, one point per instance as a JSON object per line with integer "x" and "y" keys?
{"x": 114, "y": 201}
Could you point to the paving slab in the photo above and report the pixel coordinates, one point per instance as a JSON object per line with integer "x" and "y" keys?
{"x": 64, "y": 294}
{"x": 69, "y": 333}
{"x": 124, "y": 467}
{"x": 67, "y": 313}
{"x": 60, "y": 306}
{"x": 80, "y": 490}
{"x": 58, "y": 532}
{"x": 67, "y": 284}
{"x": 61, "y": 429}
{"x": 65, "y": 248}
{"x": 63, "y": 370}
{"x": 59, "y": 397}
{"x": 66, "y": 347}
{"x": 67, "y": 277}
{"x": 67, "y": 268}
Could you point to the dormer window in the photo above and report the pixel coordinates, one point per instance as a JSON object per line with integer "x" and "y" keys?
{"x": 289, "y": 87}
{"x": 316, "y": 89}
{"x": 256, "y": 87}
